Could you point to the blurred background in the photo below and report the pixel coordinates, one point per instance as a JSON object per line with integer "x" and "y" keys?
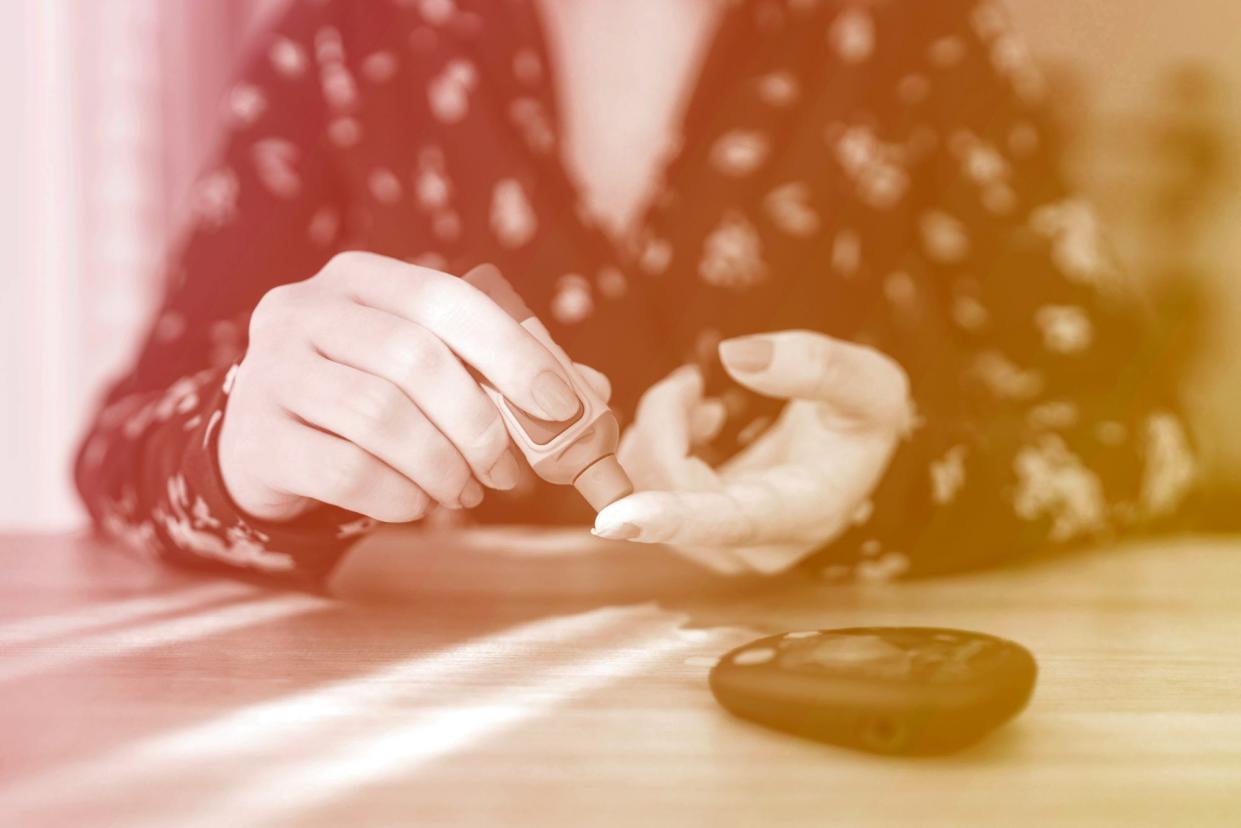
{"x": 112, "y": 105}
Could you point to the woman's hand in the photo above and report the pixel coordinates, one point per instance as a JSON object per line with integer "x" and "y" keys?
{"x": 355, "y": 391}
{"x": 796, "y": 487}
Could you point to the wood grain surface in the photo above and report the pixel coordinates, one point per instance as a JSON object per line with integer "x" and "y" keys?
{"x": 528, "y": 678}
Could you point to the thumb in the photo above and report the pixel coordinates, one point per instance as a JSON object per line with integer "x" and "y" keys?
{"x": 854, "y": 381}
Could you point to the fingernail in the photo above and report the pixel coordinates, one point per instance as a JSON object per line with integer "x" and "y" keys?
{"x": 504, "y": 474}
{"x": 555, "y": 397}
{"x": 748, "y": 354}
{"x": 620, "y": 531}
{"x": 471, "y": 494}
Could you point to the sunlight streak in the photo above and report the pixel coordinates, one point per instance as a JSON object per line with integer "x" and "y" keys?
{"x": 355, "y": 730}
{"x": 393, "y": 749}
{"x": 159, "y": 634}
{"x": 93, "y": 616}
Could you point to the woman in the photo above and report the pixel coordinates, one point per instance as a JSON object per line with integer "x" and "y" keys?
{"x": 863, "y": 206}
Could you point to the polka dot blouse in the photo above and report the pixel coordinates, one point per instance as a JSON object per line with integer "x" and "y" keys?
{"x": 877, "y": 170}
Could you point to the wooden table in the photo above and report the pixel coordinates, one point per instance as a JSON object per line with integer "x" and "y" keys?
{"x": 513, "y": 679}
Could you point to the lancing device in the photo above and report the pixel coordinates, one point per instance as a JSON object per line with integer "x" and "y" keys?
{"x": 581, "y": 450}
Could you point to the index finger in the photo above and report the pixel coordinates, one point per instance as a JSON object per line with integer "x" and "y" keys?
{"x": 470, "y": 323}
{"x": 785, "y": 504}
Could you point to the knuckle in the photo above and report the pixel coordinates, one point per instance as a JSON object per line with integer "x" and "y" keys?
{"x": 439, "y": 469}
{"x": 491, "y": 441}
{"x": 826, "y": 357}
{"x": 271, "y": 310}
{"x": 455, "y": 304}
{"x": 344, "y": 263}
{"x": 346, "y": 479}
{"x": 414, "y": 358}
{"x": 444, "y": 308}
{"x": 376, "y": 406}
{"x": 446, "y": 466}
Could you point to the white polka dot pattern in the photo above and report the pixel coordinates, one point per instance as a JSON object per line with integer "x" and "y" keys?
{"x": 836, "y": 174}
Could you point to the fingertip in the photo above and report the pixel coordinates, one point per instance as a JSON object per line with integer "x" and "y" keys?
{"x": 487, "y": 267}
{"x": 471, "y": 494}
{"x": 505, "y": 474}
{"x": 673, "y": 395}
{"x": 753, "y": 362}
{"x": 747, "y": 354}
{"x": 612, "y": 515}
{"x": 618, "y": 531}
{"x": 626, "y": 519}
{"x": 707, "y": 421}
{"x": 596, "y": 379}
{"x": 690, "y": 378}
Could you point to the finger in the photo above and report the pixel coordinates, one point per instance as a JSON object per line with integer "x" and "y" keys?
{"x": 665, "y": 410}
{"x": 330, "y": 470}
{"x": 683, "y": 518}
{"x": 650, "y": 468}
{"x": 416, "y": 361}
{"x": 783, "y": 505}
{"x": 655, "y": 450}
{"x": 477, "y": 329}
{"x": 706, "y": 421}
{"x": 375, "y": 415}
{"x": 597, "y": 380}
{"x": 859, "y": 384}
{"x": 774, "y": 445}
{"x": 773, "y": 558}
{"x": 719, "y": 560}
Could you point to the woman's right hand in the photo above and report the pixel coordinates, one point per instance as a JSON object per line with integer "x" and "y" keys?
{"x": 355, "y": 391}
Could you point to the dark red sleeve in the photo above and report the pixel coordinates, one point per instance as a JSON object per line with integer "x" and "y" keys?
{"x": 267, "y": 210}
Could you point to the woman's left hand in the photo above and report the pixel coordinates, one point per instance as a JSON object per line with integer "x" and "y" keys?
{"x": 796, "y": 487}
